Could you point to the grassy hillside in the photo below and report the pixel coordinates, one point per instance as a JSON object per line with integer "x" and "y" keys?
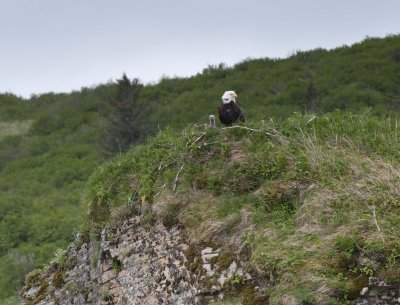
{"x": 311, "y": 203}
{"x": 49, "y": 144}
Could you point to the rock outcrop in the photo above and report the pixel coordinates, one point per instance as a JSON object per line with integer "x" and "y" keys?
{"x": 378, "y": 293}
{"x": 135, "y": 263}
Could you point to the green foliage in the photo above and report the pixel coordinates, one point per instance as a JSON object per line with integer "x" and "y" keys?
{"x": 116, "y": 265}
{"x": 46, "y": 155}
{"x": 345, "y": 245}
{"x": 59, "y": 258}
{"x": 14, "y": 128}
{"x": 50, "y": 145}
{"x": 231, "y": 204}
{"x": 14, "y": 108}
{"x": 31, "y": 275}
{"x": 13, "y": 268}
{"x": 347, "y": 78}
{"x": 149, "y": 217}
{"x": 125, "y": 116}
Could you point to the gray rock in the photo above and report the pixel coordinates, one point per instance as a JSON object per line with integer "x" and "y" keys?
{"x": 154, "y": 270}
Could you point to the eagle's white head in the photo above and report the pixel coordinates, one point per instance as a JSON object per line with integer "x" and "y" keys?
{"x": 229, "y": 96}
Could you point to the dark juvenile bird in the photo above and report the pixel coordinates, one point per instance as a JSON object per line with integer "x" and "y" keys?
{"x": 230, "y": 111}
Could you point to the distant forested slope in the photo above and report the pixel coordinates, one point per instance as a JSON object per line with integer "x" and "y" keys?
{"x": 349, "y": 78}
{"x": 50, "y": 144}
{"x": 48, "y": 149}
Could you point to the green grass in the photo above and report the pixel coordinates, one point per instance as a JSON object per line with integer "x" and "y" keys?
{"x": 47, "y": 152}
{"x": 315, "y": 197}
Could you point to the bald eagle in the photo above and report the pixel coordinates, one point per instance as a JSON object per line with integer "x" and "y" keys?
{"x": 230, "y": 111}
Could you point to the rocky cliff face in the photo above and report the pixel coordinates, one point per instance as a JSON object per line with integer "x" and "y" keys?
{"x": 135, "y": 263}
{"x": 378, "y": 293}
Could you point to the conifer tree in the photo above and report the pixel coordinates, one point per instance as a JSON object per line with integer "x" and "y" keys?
{"x": 310, "y": 97}
{"x": 124, "y": 115}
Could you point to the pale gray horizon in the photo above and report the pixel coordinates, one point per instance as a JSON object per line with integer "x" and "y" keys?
{"x": 60, "y": 46}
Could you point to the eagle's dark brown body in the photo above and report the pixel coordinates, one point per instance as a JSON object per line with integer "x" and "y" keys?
{"x": 230, "y": 113}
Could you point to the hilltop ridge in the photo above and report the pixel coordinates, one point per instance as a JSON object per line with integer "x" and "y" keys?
{"x": 304, "y": 211}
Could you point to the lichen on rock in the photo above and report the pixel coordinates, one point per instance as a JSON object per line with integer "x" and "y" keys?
{"x": 141, "y": 266}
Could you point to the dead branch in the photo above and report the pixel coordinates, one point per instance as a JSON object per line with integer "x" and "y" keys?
{"x": 376, "y": 223}
{"x": 247, "y": 128}
{"x": 177, "y": 177}
{"x": 159, "y": 192}
{"x": 199, "y": 138}
{"x": 274, "y": 134}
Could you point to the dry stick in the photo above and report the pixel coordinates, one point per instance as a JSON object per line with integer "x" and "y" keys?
{"x": 201, "y": 125}
{"x": 376, "y": 223}
{"x": 247, "y": 128}
{"x": 199, "y": 138}
{"x": 257, "y": 130}
{"x": 176, "y": 177}
{"x": 159, "y": 192}
{"x": 205, "y": 144}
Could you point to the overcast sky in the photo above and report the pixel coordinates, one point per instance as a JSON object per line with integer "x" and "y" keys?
{"x": 63, "y": 45}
